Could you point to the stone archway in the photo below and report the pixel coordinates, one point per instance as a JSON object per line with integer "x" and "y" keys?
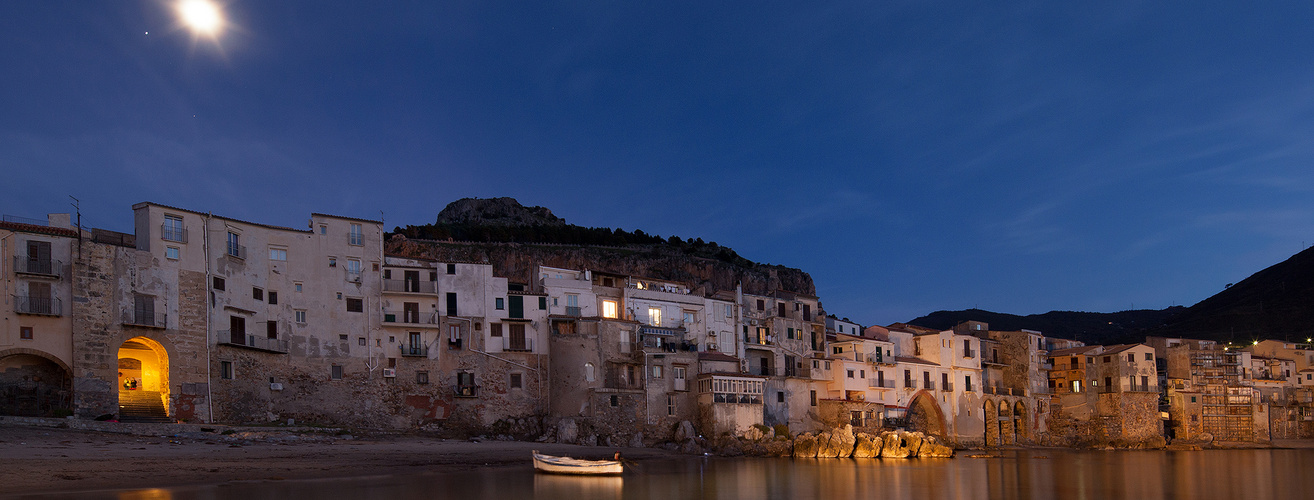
{"x": 1007, "y": 431}
{"x": 34, "y": 384}
{"x": 1020, "y": 426}
{"x": 143, "y": 381}
{"x": 991, "y": 413}
{"x": 924, "y": 415}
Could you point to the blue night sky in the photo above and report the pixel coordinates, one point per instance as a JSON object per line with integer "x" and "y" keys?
{"x": 911, "y": 156}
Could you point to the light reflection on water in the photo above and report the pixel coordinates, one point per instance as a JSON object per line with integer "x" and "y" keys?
{"x": 1139, "y": 475}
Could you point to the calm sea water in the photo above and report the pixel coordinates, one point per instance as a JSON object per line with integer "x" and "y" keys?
{"x": 1140, "y": 475}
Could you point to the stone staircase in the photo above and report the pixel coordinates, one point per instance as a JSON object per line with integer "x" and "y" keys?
{"x": 142, "y": 406}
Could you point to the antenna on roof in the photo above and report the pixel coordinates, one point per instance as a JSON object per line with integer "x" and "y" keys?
{"x": 78, "y": 211}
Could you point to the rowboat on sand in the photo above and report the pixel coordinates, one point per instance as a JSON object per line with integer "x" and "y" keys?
{"x": 567, "y": 465}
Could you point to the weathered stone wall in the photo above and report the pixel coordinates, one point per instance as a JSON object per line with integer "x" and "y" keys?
{"x": 32, "y": 385}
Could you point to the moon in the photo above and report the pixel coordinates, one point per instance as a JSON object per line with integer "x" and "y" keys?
{"x": 202, "y": 16}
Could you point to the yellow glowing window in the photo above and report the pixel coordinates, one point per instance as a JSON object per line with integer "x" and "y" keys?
{"x": 609, "y": 309}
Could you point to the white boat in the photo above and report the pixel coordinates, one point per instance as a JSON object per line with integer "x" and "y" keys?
{"x": 567, "y": 465}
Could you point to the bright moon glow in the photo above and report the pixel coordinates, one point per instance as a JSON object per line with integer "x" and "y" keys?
{"x": 202, "y": 16}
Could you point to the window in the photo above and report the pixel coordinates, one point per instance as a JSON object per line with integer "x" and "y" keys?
{"x": 218, "y": 283}
{"x": 355, "y": 305}
{"x": 226, "y": 370}
{"x": 588, "y": 372}
{"x": 729, "y": 311}
{"x": 353, "y": 270}
{"x": 278, "y": 254}
{"x": 516, "y": 381}
{"x": 1149, "y": 356}
{"x": 301, "y": 317}
{"x": 297, "y": 287}
{"x": 355, "y": 238}
{"x": 234, "y": 249}
{"x": 850, "y": 373}
{"x": 171, "y": 253}
{"x": 173, "y": 229}
{"x": 967, "y": 383}
{"x": 451, "y": 269}
{"x": 1131, "y": 357}
{"x": 451, "y": 304}
{"x": 1076, "y": 386}
{"x": 688, "y": 318}
{"x": 572, "y": 300}
{"x": 657, "y": 371}
{"x": 257, "y": 293}
{"x": 609, "y": 309}
{"x": 1192, "y": 399}
{"x": 360, "y": 341}
{"x": 813, "y": 396}
{"x": 422, "y": 378}
{"x": 780, "y": 310}
{"x": 498, "y": 303}
{"x": 496, "y": 329}
{"x": 333, "y": 262}
{"x": 342, "y": 337}
{"x": 1108, "y": 359}
{"x": 335, "y": 372}
{"x": 323, "y": 229}
{"x": 615, "y": 401}
{"x": 273, "y": 298}
{"x": 654, "y": 316}
{"x": 780, "y": 396}
{"x": 542, "y": 303}
{"x": 789, "y": 333}
{"x": 761, "y": 305}
{"x": 25, "y": 333}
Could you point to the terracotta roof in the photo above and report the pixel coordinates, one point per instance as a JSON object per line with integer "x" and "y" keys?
{"x": 203, "y": 214}
{"x": 1074, "y": 350}
{"x": 371, "y": 221}
{"x": 33, "y": 228}
{"x": 1114, "y": 349}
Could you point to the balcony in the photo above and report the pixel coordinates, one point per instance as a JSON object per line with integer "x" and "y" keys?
{"x": 41, "y": 306}
{"x": 517, "y": 345}
{"x": 880, "y": 384}
{"x": 947, "y": 386}
{"x": 997, "y": 390}
{"x": 657, "y": 330}
{"x": 148, "y": 320}
{"x": 174, "y": 234}
{"x": 414, "y": 351}
{"x": 572, "y": 311}
{"x": 667, "y": 345}
{"x": 758, "y": 340}
{"x": 48, "y": 268}
{"x": 255, "y": 342}
{"x": 410, "y": 286}
{"x": 395, "y": 317}
{"x": 236, "y": 251}
{"x": 969, "y": 353}
{"x": 909, "y": 384}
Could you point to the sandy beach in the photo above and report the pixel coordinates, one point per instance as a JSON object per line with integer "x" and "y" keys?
{"x": 52, "y": 460}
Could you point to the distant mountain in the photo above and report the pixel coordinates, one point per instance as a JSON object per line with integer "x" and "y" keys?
{"x": 1088, "y": 327}
{"x": 513, "y": 238}
{"x": 1275, "y": 303}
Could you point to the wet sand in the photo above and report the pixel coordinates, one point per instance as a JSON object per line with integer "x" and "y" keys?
{"x": 52, "y": 460}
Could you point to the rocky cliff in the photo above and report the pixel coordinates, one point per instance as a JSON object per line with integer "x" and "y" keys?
{"x": 514, "y": 238}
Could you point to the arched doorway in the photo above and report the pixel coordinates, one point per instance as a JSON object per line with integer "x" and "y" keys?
{"x": 991, "y": 413}
{"x": 1006, "y": 429}
{"x": 924, "y": 415}
{"x": 143, "y": 381}
{"x": 1020, "y": 421}
{"x": 33, "y": 384}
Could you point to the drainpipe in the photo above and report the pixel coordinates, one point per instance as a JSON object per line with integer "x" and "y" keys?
{"x": 209, "y": 311}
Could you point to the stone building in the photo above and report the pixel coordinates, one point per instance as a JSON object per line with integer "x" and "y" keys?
{"x": 36, "y": 344}
{"x": 1209, "y": 395}
{"x": 782, "y": 334}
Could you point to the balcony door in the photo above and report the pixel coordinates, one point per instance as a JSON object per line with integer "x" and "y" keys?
{"x": 237, "y": 330}
{"x": 38, "y": 257}
{"x": 411, "y": 312}
{"x": 516, "y": 336}
{"x": 412, "y": 281}
{"x": 39, "y": 299}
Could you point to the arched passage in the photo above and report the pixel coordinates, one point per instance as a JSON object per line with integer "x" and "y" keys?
{"x": 991, "y": 413}
{"x": 1007, "y": 430}
{"x": 925, "y": 415}
{"x": 143, "y": 380}
{"x": 1020, "y": 421}
{"x": 33, "y": 384}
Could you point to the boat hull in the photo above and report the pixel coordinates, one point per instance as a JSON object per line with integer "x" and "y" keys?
{"x": 572, "y": 466}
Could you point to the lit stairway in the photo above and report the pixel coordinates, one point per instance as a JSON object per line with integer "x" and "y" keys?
{"x": 142, "y": 406}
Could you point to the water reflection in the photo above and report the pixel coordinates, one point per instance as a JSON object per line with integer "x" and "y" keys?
{"x": 1221, "y": 474}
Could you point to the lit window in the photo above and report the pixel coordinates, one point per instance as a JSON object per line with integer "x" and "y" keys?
{"x": 171, "y": 253}
{"x": 609, "y": 309}
{"x": 655, "y": 316}
{"x": 356, "y": 237}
